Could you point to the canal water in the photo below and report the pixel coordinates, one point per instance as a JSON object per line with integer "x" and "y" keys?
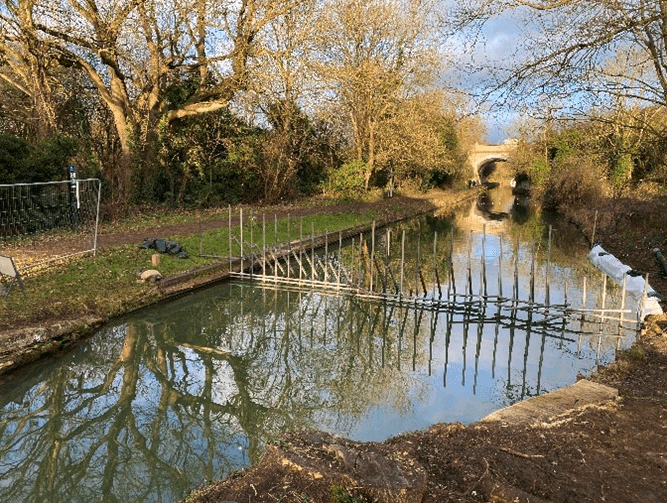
{"x": 168, "y": 399}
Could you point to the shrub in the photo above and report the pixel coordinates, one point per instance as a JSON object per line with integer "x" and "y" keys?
{"x": 14, "y": 153}
{"x": 348, "y": 179}
{"x": 574, "y": 180}
{"x": 47, "y": 160}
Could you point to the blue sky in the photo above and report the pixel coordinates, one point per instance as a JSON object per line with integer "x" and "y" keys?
{"x": 495, "y": 49}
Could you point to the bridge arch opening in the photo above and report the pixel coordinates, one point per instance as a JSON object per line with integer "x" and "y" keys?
{"x": 490, "y": 160}
{"x": 488, "y": 167}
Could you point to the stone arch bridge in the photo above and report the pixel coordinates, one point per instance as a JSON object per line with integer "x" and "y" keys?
{"x": 483, "y": 158}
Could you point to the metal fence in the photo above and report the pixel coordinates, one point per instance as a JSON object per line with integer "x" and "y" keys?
{"x": 33, "y": 209}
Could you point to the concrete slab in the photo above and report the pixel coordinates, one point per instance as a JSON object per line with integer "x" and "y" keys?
{"x": 543, "y": 407}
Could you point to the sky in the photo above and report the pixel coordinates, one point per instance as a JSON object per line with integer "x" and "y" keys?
{"x": 496, "y": 47}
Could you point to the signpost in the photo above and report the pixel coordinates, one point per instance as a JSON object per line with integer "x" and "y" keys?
{"x": 8, "y": 269}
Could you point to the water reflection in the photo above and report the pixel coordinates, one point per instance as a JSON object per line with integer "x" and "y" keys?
{"x": 150, "y": 408}
{"x": 154, "y": 406}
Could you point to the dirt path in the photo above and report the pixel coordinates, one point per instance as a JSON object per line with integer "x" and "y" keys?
{"x": 41, "y": 248}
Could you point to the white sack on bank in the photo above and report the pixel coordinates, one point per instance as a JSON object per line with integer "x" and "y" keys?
{"x": 616, "y": 269}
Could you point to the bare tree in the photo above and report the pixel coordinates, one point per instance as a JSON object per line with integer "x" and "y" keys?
{"x": 26, "y": 67}
{"x": 374, "y": 54}
{"x": 588, "y": 52}
{"x": 134, "y": 51}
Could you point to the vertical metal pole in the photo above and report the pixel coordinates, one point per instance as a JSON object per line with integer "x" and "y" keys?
{"x": 452, "y": 276}
{"x": 584, "y": 294}
{"x": 604, "y": 295}
{"x": 289, "y": 247}
{"x": 547, "y": 296}
{"x": 352, "y": 264}
{"x": 201, "y": 238}
{"x": 241, "y": 240}
{"x": 252, "y": 226}
{"x": 602, "y": 317}
{"x": 264, "y": 244}
{"x": 418, "y": 265}
{"x": 229, "y": 231}
{"x": 532, "y": 270}
{"x": 326, "y": 255}
{"x": 386, "y": 258}
{"x": 623, "y": 292}
{"x": 340, "y": 255}
{"x": 97, "y": 215}
{"x": 515, "y": 293}
{"x": 435, "y": 262}
{"x": 437, "y": 276}
{"x": 402, "y": 260}
{"x": 483, "y": 286}
{"x": 312, "y": 251}
{"x": 581, "y": 319}
{"x": 361, "y": 257}
{"x": 300, "y": 248}
{"x": 500, "y": 267}
{"x": 469, "y": 275}
{"x": 642, "y": 305}
{"x": 372, "y": 252}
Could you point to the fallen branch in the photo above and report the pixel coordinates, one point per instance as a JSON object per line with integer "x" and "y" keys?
{"x": 521, "y": 454}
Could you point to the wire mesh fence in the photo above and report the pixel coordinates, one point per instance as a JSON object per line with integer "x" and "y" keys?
{"x": 49, "y": 208}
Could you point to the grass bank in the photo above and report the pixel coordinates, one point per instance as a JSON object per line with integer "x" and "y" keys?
{"x": 66, "y": 301}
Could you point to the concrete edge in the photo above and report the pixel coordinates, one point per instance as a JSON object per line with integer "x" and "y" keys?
{"x": 543, "y": 407}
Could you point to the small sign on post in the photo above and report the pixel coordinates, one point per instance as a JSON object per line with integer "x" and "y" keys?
{"x": 8, "y": 269}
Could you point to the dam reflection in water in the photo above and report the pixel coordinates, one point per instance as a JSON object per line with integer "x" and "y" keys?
{"x": 151, "y": 408}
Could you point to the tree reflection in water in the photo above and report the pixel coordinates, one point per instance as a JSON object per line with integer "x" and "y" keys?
{"x": 149, "y": 409}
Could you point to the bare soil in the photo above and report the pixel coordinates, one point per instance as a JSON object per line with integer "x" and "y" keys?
{"x": 612, "y": 452}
